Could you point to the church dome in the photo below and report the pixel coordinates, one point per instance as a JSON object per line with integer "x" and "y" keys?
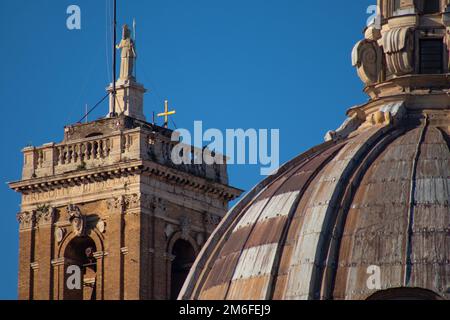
{"x": 367, "y": 213}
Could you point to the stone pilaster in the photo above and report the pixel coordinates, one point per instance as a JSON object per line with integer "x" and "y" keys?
{"x": 113, "y": 263}
{"x": 26, "y": 245}
{"x": 44, "y": 239}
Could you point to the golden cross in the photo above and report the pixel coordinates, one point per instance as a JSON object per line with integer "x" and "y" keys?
{"x": 166, "y": 114}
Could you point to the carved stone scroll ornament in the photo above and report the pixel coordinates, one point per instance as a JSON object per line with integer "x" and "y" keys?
{"x": 398, "y": 45}
{"x": 367, "y": 59}
{"x": 77, "y": 220}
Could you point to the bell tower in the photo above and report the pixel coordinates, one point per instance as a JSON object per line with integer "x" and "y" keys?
{"x": 106, "y": 214}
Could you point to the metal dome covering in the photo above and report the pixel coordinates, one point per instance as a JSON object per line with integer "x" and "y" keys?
{"x": 380, "y": 197}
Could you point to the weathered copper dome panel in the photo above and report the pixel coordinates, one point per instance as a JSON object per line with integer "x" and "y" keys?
{"x": 380, "y": 197}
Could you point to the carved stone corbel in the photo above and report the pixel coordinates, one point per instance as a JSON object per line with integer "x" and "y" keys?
{"x": 398, "y": 45}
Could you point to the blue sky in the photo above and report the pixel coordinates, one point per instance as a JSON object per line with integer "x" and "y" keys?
{"x": 282, "y": 64}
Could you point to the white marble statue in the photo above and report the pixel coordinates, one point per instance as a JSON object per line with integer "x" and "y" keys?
{"x": 128, "y": 54}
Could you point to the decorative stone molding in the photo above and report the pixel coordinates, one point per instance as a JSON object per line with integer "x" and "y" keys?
{"x": 148, "y": 201}
{"x": 132, "y": 201}
{"x": 26, "y": 220}
{"x": 350, "y": 124}
{"x": 169, "y": 257}
{"x": 100, "y": 254}
{"x": 200, "y": 239}
{"x": 58, "y": 262}
{"x": 212, "y": 220}
{"x": 77, "y": 220}
{"x": 101, "y": 226}
{"x": 169, "y": 230}
{"x": 185, "y": 225}
{"x": 398, "y": 45}
{"x": 59, "y": 234}
{"x": 367, "y": 58}
{"x": 115, "y": 203}
{"x": 45, "y": 215}
{"x": 34, "y": 266}
{"x": 388, "y": 114}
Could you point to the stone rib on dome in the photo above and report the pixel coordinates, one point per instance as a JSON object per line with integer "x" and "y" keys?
{"x": 379, "y": 197}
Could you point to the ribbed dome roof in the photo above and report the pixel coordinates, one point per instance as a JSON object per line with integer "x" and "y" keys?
{"x": 370, "y": 204}
{"x": 379, "y": 197}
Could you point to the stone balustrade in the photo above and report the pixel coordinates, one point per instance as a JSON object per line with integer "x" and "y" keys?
{"x": 101, "y": 151}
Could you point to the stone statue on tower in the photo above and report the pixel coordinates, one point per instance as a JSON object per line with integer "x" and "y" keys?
{"x": 447, "y": 44}
{"x": 128, "y": 54}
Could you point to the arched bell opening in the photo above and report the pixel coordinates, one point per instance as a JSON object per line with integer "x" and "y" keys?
{"x": 184, "y": 256}
{"x": 80, "y": 268}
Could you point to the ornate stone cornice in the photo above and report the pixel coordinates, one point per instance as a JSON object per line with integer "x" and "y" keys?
{"x": 150, "y": 168}
{"x": 188, "y": 180}
{"x": 77, "y": 178}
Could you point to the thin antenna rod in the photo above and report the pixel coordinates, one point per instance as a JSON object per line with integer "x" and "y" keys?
{"x": 114, "y": 57}
{"x": 134, "y": 39}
